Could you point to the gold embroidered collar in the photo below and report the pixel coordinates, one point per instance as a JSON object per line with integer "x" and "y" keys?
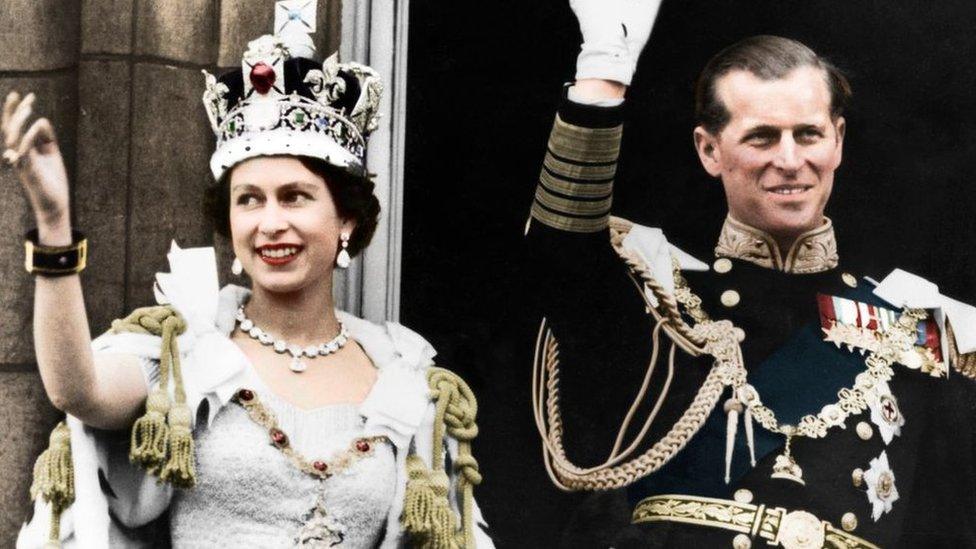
{"x": 813, "y": 252}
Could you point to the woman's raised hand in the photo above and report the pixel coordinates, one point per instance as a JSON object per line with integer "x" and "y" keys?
{"x": 36, "y": 157}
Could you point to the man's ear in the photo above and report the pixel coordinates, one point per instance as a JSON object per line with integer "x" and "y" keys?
{"x": 706, "y": 145}
{"x": 840, "y": 128}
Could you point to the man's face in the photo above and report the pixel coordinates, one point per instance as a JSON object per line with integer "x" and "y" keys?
{"x": 778, "y": 153}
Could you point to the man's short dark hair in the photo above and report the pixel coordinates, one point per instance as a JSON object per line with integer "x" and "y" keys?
{"x": 768, "y": 58}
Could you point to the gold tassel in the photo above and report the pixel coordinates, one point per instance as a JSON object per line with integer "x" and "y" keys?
{"x": 150, "y": 433}
{"x": 455, "y": 413}
{"x": 54, "y": 479}
{"x": 427, "y": 515}
{"x": 180, "y": 469}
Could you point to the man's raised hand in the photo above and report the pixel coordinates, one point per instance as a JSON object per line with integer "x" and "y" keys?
{"x": 614, "y": 33}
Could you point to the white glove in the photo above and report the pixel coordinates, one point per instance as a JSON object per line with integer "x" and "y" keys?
{"x": 614, "y": 33}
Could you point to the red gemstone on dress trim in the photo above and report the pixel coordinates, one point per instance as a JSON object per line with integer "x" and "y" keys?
{"x": 362, "y": 445}
{"x": 245, "y": 395}
{"x": 262, "y": 77}
{"x": 319, "y": 465}
{"x": 278, "y": 437}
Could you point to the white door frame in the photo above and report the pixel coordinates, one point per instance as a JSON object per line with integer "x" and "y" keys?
{"x": 374, "y": 32}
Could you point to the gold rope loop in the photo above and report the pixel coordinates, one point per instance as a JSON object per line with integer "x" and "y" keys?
{"x": 468, "y": 466}
{"x": 460, "y": 408}
{"x": 456, "y": 410}
{"x": 162, "y": 440}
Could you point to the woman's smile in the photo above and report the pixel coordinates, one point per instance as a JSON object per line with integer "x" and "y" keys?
{"x": 279, "y": 254}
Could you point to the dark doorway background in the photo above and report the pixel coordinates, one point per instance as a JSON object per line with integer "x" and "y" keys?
{"x": 484, "y": 82}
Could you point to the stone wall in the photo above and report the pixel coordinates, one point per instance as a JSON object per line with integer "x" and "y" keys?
{"x": 121, "y": 81}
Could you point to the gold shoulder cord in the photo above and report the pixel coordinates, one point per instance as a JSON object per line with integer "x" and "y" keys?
{"x": 705, "y": 337}
{"x": 427, "y": 516}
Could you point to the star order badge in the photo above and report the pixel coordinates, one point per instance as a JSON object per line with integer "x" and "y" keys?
{"x": 885, "y": 412}
{"x": 880, "y": 483}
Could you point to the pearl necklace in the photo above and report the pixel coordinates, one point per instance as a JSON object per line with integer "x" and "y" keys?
{"x": 297, "y": 352}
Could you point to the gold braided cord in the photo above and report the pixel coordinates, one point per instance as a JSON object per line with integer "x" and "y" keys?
{"x": 162, "y": 440}
{"x": 611, "y": 474}
{"x": 705, "y": 337}
{"x": 427, "y": 515}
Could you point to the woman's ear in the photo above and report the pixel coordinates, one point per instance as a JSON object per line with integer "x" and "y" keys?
{"x": 348, "y": 226}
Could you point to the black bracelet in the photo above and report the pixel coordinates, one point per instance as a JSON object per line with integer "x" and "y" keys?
{"x": 55, "y": 260}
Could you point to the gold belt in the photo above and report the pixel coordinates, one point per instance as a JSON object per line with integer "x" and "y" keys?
{"x": 776, "y": 525}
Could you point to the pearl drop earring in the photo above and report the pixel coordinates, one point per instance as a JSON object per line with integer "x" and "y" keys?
{"x": 343, "y": 259}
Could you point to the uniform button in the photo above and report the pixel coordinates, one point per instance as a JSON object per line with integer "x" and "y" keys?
{"x": 849, "y": 279}
{"x": 743, "y": 495}
{"x": 864, "y": 430}
{"x": 857, "y": 477}
{"x": 848, "y": 522}
{"x": 741, "y": 541}
{"x": 730, "y": 298}
{"x": 722, "y": 265}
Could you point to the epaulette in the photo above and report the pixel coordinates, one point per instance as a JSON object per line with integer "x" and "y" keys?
{"x": 964, "y": 363}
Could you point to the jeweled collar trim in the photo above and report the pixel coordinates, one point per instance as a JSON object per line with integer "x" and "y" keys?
{"x": 813, "y": 252}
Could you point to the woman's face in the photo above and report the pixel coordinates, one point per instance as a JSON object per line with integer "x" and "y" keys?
{"x": 284, "y": 224}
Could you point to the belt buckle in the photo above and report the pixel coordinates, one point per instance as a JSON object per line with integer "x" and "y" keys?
{"x": 800, "y": 530}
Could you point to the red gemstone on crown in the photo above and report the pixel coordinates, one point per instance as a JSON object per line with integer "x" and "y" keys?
{"x": 278, "y": 437}
{"x": 320, "y": 466}
{"x": 362, "y": 445}
{"x": 245, "y": 395}
{"x": 262, "y": 77}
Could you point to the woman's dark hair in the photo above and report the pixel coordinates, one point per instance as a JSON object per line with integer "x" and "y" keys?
{"x": 767, "y": 58}
{"x": 352, "y": 194}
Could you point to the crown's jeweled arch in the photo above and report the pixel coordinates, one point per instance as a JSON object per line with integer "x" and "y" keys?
{"x": 325, "y": 113}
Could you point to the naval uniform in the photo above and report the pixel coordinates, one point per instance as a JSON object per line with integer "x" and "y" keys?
{"x": 901, "y": 475}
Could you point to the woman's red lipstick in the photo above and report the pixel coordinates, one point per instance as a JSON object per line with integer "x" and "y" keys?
{"x": 278, "y": 261}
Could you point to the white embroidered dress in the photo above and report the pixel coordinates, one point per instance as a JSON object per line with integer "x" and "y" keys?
{"x": 397, "y": 407}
